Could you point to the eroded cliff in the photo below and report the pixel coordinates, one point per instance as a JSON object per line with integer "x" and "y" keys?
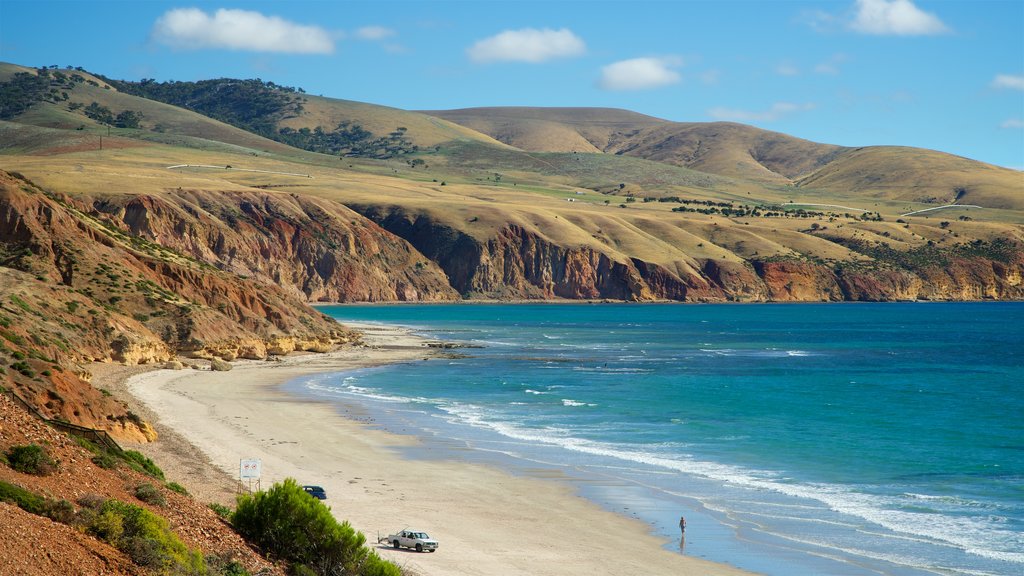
{"x": 138, "y": 279}
{"x": 515, "y": 263}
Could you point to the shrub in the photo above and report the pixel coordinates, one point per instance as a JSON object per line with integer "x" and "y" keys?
{"x": 24, "y": 368}
{"x": 287, "y": 524}
{"x": 105, "y": 460}
{"x": 175, "y": 487}
{"x": 60, "y": 511}
{"x": 145, "y": 538}
{"x": 150, "y": 494}
{"x": 220, "y": 509}
{"x": 142, "y": 464}
{"x": 31, "y": 459}
{"x": 102, "y": 457}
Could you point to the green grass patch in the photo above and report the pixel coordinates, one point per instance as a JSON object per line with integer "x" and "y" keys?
{"x": 220, "y": 509}
{"x": 22, "y": 498}
{"x": 12, "y": 337}
{"x": 175, "y": 487}
{"x": 139, "y": 462}
{"x": 20, "y": 303}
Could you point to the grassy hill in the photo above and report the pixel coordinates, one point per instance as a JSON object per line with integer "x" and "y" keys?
{"x": 740, "y": 152}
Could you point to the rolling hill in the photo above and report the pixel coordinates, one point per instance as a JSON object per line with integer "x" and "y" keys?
{"x": 744, "y": 152}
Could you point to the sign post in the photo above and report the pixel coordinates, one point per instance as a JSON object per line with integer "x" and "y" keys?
{"x": 249, "y": 469}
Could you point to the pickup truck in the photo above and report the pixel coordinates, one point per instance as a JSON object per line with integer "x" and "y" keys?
{"x": 409, "y": 538}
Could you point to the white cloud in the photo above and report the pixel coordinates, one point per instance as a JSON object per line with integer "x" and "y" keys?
{"x": 374, "y": 33}
{"x": 776, "y": 112}
{"x": 527, "y": 45}
{"x": 193, "y": 29}
{"x": 895, "y": 18}
{"x": 640, "y": 74}
{"x": 1013, "y": 123}
{"x": 1008, "y": 81}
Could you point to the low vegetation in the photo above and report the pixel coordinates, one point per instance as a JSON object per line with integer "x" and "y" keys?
{"x": 31, "y": 459}
{"x": 288, "y": 524}
{"x": 143, "y": 536}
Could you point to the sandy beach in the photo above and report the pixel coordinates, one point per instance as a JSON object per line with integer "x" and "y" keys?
{"x": 487, "y": 522}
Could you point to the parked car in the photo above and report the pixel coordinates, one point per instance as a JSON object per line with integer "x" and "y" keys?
{"x": 316, "y": 492}
{"x": 410, "y": 538}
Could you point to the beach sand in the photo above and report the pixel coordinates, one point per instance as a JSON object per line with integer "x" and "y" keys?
{"x": 488, "y": 522}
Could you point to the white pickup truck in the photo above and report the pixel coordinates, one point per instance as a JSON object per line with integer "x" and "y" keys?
{"x": 410, "y": 538}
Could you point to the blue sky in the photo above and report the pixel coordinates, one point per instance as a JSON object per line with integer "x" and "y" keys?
{"x": 945, "y": 75}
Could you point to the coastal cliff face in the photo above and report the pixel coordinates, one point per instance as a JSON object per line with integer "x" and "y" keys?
{"x": 316, "y": 250}
{"x": 517, "y": 264}
{"x": 136, "y": 280}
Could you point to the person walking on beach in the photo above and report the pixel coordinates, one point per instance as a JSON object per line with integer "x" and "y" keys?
{"x": 682, "y": 534}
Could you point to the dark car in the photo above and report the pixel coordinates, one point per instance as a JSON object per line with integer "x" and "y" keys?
{"x": 315, "y": 492}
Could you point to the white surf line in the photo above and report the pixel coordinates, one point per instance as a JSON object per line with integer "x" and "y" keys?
{"x": 239, "y": 169}
{"x": 824, "y": 206}
{"x": 942, "y": 207}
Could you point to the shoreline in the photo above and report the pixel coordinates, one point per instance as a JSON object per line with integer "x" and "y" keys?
{"x": 487, "y": 521}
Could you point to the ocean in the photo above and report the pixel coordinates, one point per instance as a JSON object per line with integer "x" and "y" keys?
{"x": 796, "y": 439}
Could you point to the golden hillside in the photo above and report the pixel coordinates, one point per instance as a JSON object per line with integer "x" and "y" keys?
{"x": 744, "y": 152}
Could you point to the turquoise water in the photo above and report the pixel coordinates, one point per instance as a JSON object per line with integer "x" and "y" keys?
{"x": 796, "y": 439}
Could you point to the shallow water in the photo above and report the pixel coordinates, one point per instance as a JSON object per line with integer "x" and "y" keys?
{"x": 796, "y": 439}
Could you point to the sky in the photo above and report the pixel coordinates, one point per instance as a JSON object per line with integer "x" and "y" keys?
{"x": 940, "y": 74}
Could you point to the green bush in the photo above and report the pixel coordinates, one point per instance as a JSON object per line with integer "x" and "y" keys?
{"x": 146, "y": 539}
{"x": 175, "y": 487}
{"x": 150, "y": 494}
{"x": 220, "y": 509}
{"x": 102, "y": 457}
{"x": 142, "y": 464}
{"x": 27, "y": 501}
{"x": 105, "y": 460}
{"x": 58, "y": 510}
{"x": 287, "y": 524}
{"x": 31, "y": 459}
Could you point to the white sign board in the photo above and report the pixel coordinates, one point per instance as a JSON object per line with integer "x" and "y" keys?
{"x": 249, "y": 469}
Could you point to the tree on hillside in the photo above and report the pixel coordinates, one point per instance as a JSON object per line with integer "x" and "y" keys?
{"x": 128, "y": 119}
{"x": 289, "y": 524}
{"x": 99, "y": 113}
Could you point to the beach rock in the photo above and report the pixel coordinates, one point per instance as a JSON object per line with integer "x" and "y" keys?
{"x": 219, "y": 365}
{"x": 173, "y": 365}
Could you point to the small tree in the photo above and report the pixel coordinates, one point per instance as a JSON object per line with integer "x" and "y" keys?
{"x": 128, "y": 119}
{"x": 289, "y": 524}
